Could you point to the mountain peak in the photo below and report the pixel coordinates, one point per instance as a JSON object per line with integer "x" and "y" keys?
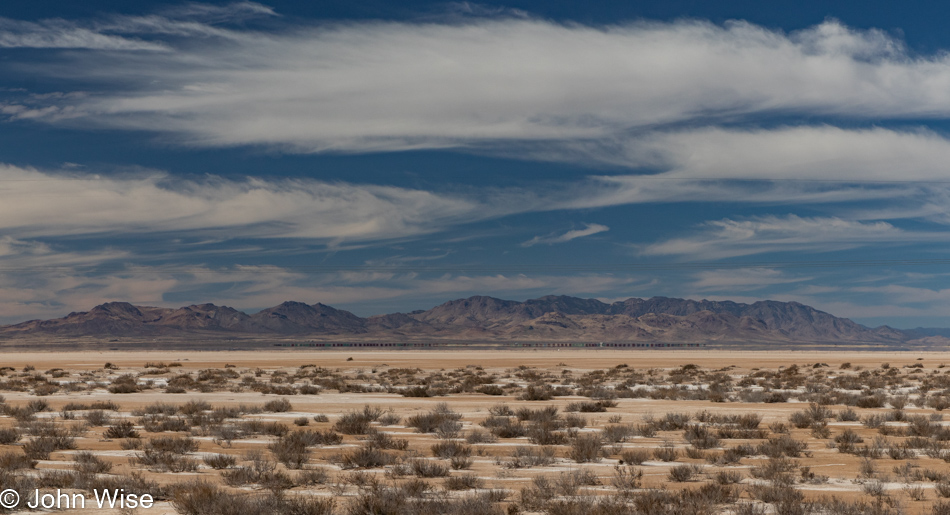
{"x": 551, "y": 317}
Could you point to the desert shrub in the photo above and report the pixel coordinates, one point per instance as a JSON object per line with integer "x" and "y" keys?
{"x": 132, "y": 482}
{"x": 260, "y": 427}
{"x": 390, "y": 419}
{"x": 847, "y": 415}
{"x": 173, "y": 445}
{"x": 290, "y": 451}
{"x": 428, "y": 468}
{"x": 353, "y": 423}
{"x": 666, "y": 452}
{"x": 537, "y": 393}
{"x": 626, "y": 478}
{"x": 40, "y": 448}
{"x": 88, "y": 463}
{"x": 158, "y": 423}
{"x": 9, "y": 436}
{"x": 417, "y": 391}
{"x": 777, "y": 470}
{"x": 463, "y": 482}
{"x": 220, "y": 461}
{"x": 634, "y": 456}
{"x": 646, "y": 430}
{"x": 366, "y": 457}
{"x": 310, "y": 477}
{"x": 320, "y": 417}
{"x": 873, "y": 421}
{"x": 479, "y": 436}
{"x": 542, "y": 415}
{"x": 193, "y": 407}
{"x": 672, "y": 422}
{"x": 301, "y": 421}
{"x": 695, "y": 454}
{"x": 586, "y": 448}
{"x": 490, "y": 389}
{"x": 846, "y": 440}
{"x": 10, "y": 461}
{"x": 38, "y": 406}
{"x": 800, "y": 419}
{"x": 124, "y": 384}
{"x": 616, "y": 433}
{"x": 586, "y": 407}
{"x": 501, "y": 410}
{"x": 450, "y": 449}
{"x": 819, "y": 429}
{"x": 683, "y": 473}
{"x": 783, "y": 445}
{"x": 381, "y": 500}
{"x": 504, "y": 427}
{"x": 201, "y": 498}
{"x": 383, "y": 440}
{"x": 915, "y": 492}
{"x": 523, "y": 457}
{"x": 157, "y": 408}
{"x": 700, "y": 437}
{"x": 728, "y": 477}
{"x": 164, "y": 461}
{"x": 575, "y": 421}
{"x": 440, "y": 417}
{"x": 97, "y": 418}
{"x": 460, "y": 462}
{"x": 128, "y": 444}
{"x": 546, "y": 433}
{"x": 278, "y": 405}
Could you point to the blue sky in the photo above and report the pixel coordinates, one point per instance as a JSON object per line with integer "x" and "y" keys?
{"x": 382, "y": 157}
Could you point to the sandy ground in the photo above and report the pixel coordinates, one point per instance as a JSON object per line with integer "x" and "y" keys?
{"x": 841, "y": 468}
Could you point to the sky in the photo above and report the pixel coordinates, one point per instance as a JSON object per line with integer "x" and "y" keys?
{"x": 389, "y": 156}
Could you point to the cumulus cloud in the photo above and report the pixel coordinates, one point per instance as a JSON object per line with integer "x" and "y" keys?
{"x": 366, "y": 86}
{"x": 730, "y": 238}
{"x": 588, "y": 230}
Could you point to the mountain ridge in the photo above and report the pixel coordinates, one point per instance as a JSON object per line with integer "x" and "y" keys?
{"x": 552, "y": 317}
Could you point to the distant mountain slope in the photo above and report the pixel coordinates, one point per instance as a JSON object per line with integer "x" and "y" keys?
{"x": 546, "y": 318}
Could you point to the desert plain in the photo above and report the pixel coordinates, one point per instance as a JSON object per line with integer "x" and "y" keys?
{"x": 481, "y": 431}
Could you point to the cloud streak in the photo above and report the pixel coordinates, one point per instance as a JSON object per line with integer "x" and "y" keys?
{"x": 35, "y": 204}
{"x": 731, "y": 238}
{"x": 588, "y": 230}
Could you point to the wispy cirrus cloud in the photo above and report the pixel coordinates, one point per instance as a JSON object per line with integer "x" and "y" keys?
{"x": 64, "y": 34}
{"x": 115, "y": 33}
{"x": 35, "y": 203}
{"x": 726, "y": 238}
{"x": 744, "y": 279}
{"x": 573, "y": 234}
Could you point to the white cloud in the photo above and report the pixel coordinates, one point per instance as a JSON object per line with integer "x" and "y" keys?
{"x": 588, "y": 230}
{"x": 365, "y": 86}
{"x": 35, "y": 203}
{"x": 822, "y": 153}
{"x": 729, "y": 238}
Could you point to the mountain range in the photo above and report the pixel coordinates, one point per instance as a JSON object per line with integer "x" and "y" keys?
{"x": 549, "y": 318}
